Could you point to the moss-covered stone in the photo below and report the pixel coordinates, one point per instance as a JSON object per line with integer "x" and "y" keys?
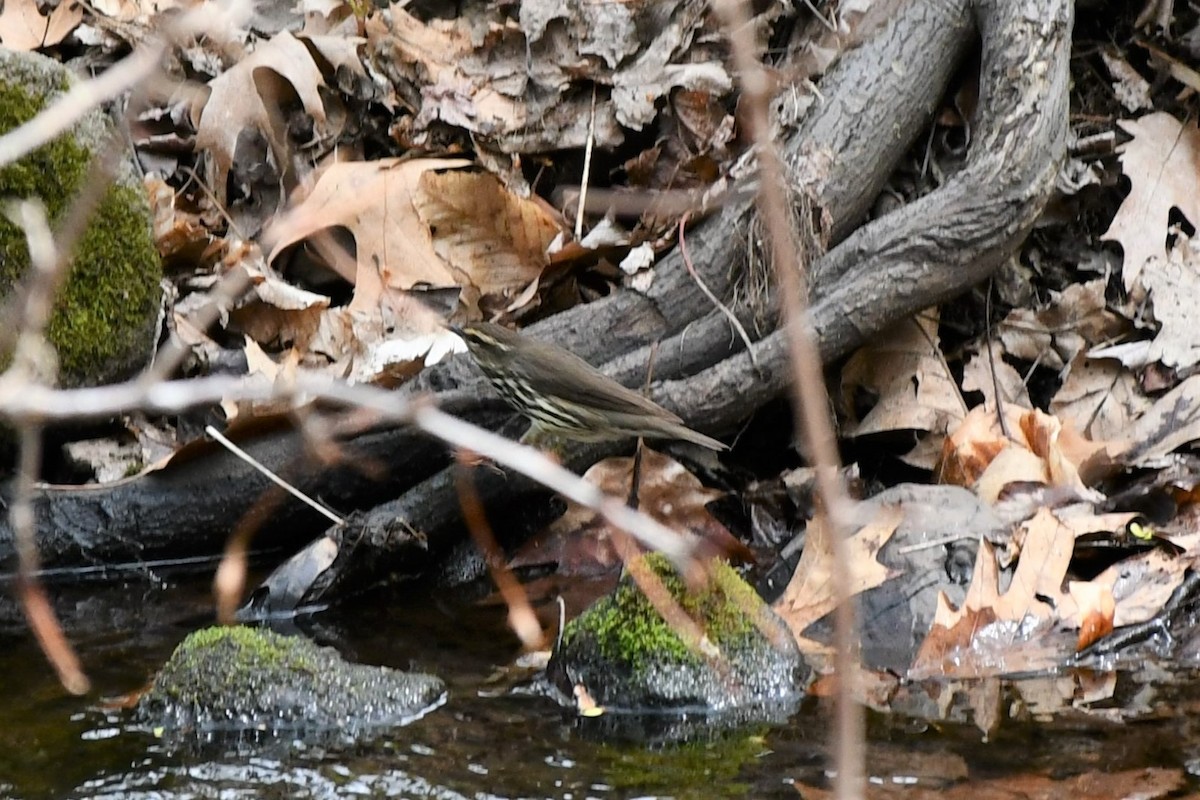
{"x": 627, "y": 657}
{"x": 240, "y": 678}
{"x": 104, "y": 321}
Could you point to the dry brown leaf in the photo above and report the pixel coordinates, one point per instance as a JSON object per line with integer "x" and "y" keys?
{"x": 426, "y": 223}
{"x": 1161, "y": 163}
{"x": 1095, "y": 608}
{"x": 497, "y": 242}
{"x": 374, "y": 201}
{"x": 903, "y": 367}
{"x": 1075, "y": 320}
{"x": 278, "y": 314}
{"x": 809, "y": 595}
{"x": 1011, "y": 465}
{"x": 1100, "y": 398}
{"x": 242, "y": 99}
{"x": 23, "y": 27}
{"x": 579, "y": 542}
{"x": 455, "y": 72}
{"x": 517, "y": 84}
{"x": 177, "y": 234}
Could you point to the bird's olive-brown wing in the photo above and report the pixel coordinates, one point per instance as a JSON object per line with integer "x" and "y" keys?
{"x": 546, "y": 364}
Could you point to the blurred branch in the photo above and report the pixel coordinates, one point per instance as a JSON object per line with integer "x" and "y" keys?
{"x": 808, "y": 391}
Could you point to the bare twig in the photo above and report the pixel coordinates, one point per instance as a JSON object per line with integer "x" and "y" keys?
{"x": 173, "y": 396}
{"x": 808, "y": 387}
{"x": 271, "y": 476}
{"x": 521, "y": 618}
{"x": 712, "y": 298}
{"x": 587, "y": 168}
{"x": 32, "y": 358}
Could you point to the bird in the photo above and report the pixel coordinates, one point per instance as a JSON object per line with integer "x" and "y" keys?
{"x": 562, "y": 394}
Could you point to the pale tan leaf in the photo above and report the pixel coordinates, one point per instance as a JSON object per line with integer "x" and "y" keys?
{"x": 1074, "y": 320}
{"x": 1129, "y": 87}
{"x": 1162, "y": 163}
{"x": 1141, "y": 585}
{"x": 374, "y": 201}
{"x": 1035, "y": 449}
{"x": 809, "y": 595}
{"x": 994, "y": 632}
{"x": 1100, "y": 398}
{"x": 1173, "y": 282}
{"x": 983, "y": 374}
{"x": 903, "y": 367}
{"x": 236, "y": 104}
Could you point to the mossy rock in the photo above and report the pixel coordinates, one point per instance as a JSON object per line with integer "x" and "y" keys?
{"x": 626, "y": 658}
{"x": 237, "y": 679}
{"x": 106, "y": 315}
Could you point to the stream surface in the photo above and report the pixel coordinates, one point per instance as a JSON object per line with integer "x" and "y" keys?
{"x": 493, "y": 738}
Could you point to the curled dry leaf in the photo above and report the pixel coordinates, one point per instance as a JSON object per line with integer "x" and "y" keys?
{"x": 903, "y": 368}
{"x": 996, "y": 632}
{"x": 493, "y": 241}
{"x": 809, "y": 596}
{"x": 426, "y": 223}
{"x": 1076, "y": 319}
{"x": 241, "y": 100}
{"x": 1041, "y": 449}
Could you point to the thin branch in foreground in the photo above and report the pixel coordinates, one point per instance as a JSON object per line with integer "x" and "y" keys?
{"x": 521, "y": 617}
{"x": 808, "y": 388}
{"x": 57, "y": 405}
{"x": 78, "y": 101}
{"x": 32, "y": 357}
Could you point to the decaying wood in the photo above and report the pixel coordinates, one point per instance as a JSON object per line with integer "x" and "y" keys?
{"x": 876, "y": 100}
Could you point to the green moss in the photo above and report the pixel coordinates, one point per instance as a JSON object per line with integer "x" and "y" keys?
{"x": 629, "y": 630}
{"x": 252, "y": 646}
{"x": 243, "y": 655}
{"x": 107, "y": 308}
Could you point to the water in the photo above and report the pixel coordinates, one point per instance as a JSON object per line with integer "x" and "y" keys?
{"x": 491, "y": 740}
